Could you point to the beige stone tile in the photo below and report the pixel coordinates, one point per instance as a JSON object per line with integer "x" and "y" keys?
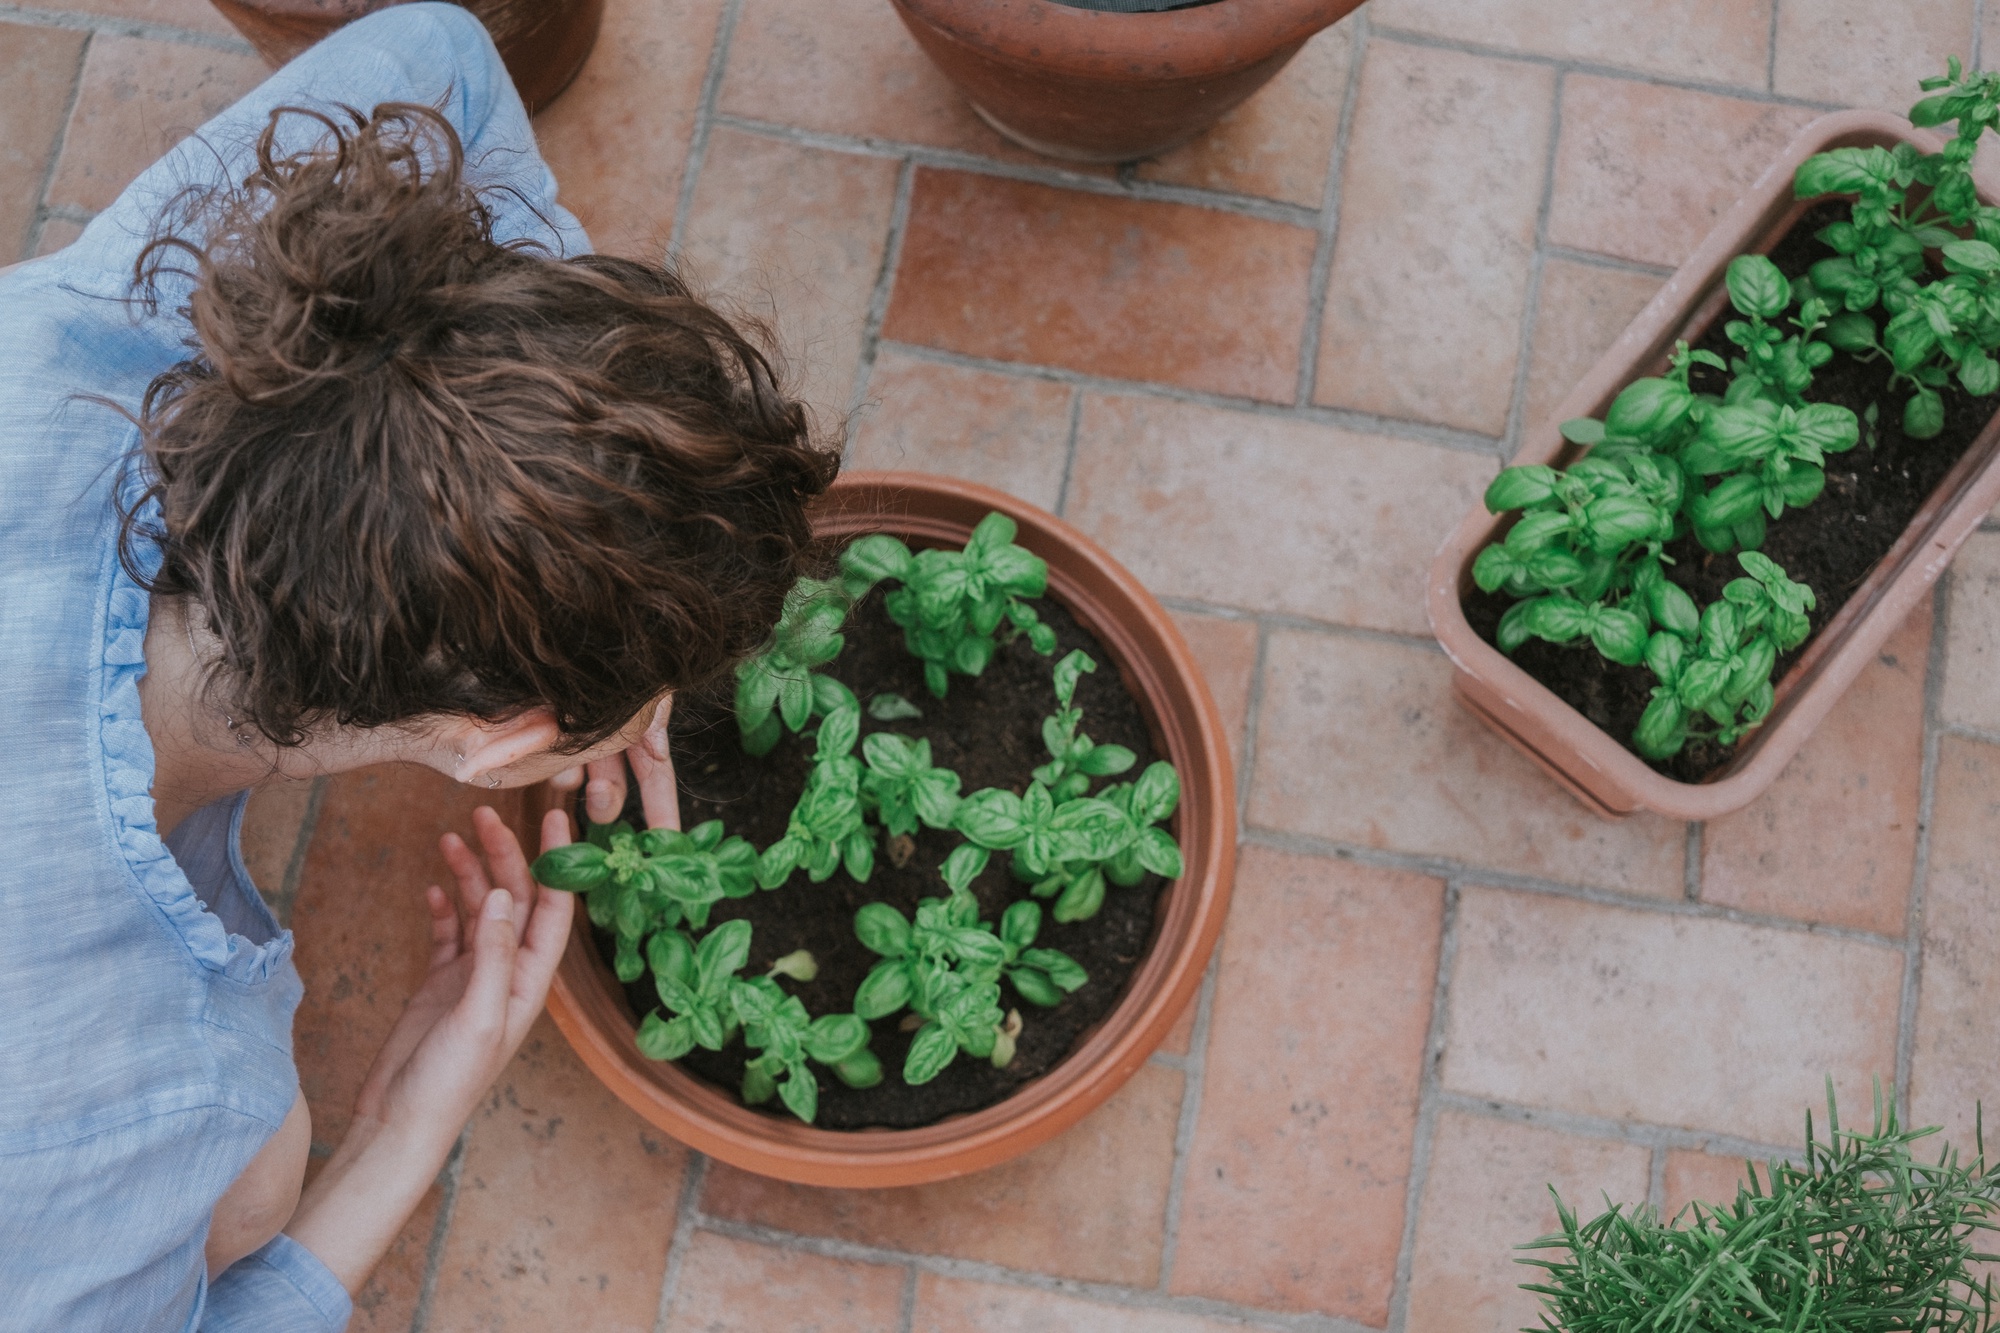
{"x": 1644, "y": 171}
{"x": 1972, "y": 638}
{"x": 57, "y": 233}
{"x": 1316, "y": 1048}
{"x": 1269, "y": 514}
{"x": 387, "y": 1301}
{"x": 1581, "y": 311}
{"x": 138, "y": 98}
{"x": 1717, "y": 41}
{"x": 1360, "y": 741}
{"x": 1684, "y": 1021}
{"x": 38, "y": 67}
{"x": 1430, "y": 270}
{"x": 566, "y": 1204}
{"x": 1106, "y": 1179}
{"x": 1226, "y": 651}
{"x": 1280, "y": 142}
{"x": 794, "y": 236}
{"x": 1853, "y": 53}
{"x": 955, "y": 1305}
{"x": 1953, "y": 1068}
{"x": 617, "y": 139}
{"x": 1181, "y": 1037}
{"x": 736, "y": 1286}
{"x": 198, "y": 16}
{"x": 1009, "y": 431}
{"x": 1835, "y": 838}
{"x": 1709, "y": 1178}
{"x": 1487, "y": 1191}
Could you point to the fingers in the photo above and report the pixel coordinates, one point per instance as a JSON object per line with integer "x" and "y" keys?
{"x": 604, "y": 793}
{"x": 556, "y": 830}
{"x": 467, "y": 869}
{"x": 657, "y": 790}
{"x": 444, "y": 926}
{"x": 506, "y": 866}
{"x": 654, "y": 742}
{"x": 541, "y": 953}
{"x": 568, "y": 780}
{"x": 483, "y": 1007}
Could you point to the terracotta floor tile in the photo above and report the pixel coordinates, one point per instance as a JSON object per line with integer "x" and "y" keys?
{"x": 1437, "y": 218}
{"x": 1972, "y": 640}
{"x": 1310, "y": 1091}
{"x": 1953, "y": 1068}
{"x": 272, "y": 823}
{"x": 1644, "y": 171}
{"x": 1853, "y": 53}
{"x": 1708, "y": 1177}
{"x": 1682, "y": 1021}
{"x": 566, "y": 1204}
{"x": 1119, "y": 287}
{"x": 618, "y": 137}
{"x": 1311, "y": 520}
{"x": 197, "y": 16}
{"x": 363, "y": 932}
{"x": 57, "y": 233}
{"x": 1226, "y": 651}
{"x": 1279, "y": 143}
{"x": 850, "y": 67}
{"x": 1715, "y": 41}
{"x": 139, "y": 98}
{"x": 1487, "y": 1190}
{"x": 735, "y": 1286}
{"x": 1360, "y": 741}
{"x": 953, "y": 1305}
{"x": 38, "y": 67}
{"x": 1581, "y": 311}
{"x": 1106, "y": 1180}
{"x": 1180, "y": 1039}
{"x": 1009, "y": 431}
{"x": 388, "y": 1301}
{"x": 1835, "y": 838}
{"x": 794, "y": 236}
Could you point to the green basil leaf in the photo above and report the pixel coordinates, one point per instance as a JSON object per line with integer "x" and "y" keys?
{"x": 1519, "y": 487}
{"x": 1081, "y": 898}
{"x": 932, "y": 1049}
{"x": 1648, "y": 409}
{"x": 1156, "y": 794}
{"x": 721, "y": 954}
{"x": 964, "y": 864}
{"x": 863, "y": 1069}
{"x": 992, "y": 818}
{"x": 1756, "y": 287}
{"x": 876, "y": 557}
{"x": 1159, "y": 853}
{"x": 1671, "y": 608}
{"x": 1070, "y": 670}
{"x": 663, "y": 1039}
{"x": 795, "y": 700}
{"x": 758, "y": 1085}
{"x": 884, "y": 990}
{"x": 1662, "y": 727}
{"x": 1034, "y": 986}
{"x": 1923, "y": 415}
{"x": 1020, "y": 923}
{"x": 576, "y": 868}
{"x": 1065, "y": 971}
{"x": 779, "y": 860}
{"x": 835, "y": 1037}
{"x": 887, "y": 707}
{"x": 1105, "y": 761}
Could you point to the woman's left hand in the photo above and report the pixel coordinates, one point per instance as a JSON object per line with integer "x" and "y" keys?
{"x": 604, "y": 781}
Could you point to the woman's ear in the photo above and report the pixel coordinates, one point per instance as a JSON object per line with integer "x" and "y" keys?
{"x": 480, "y": 751}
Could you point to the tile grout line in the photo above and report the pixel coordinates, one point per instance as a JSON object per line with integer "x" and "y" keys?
{"x": 973, "y": 164}
{"x": 1444, "y": 437}
{"x": 1531, "y": 307}
{"x": 1978, "y": 53}
{"x": 1691, "y": 869}
{"x": 39, "y": 221}
{"x": 1194, "y": 1066}
{"x": 454, "y": 1171}
{"x": 1935, "y": 666}
{"x": 979, "y": 1270}
{"x": 687, "y": 1218}
{"x": 704, "y": 120}
{"x": 1771, "y": 52}
{"x": 906, "y": 1320}
{"x": 1641, "y": 1133}
{"x": 878, "y": 297}
{"x": 1615, "y": 263}
{"x": 1656, "y": 1179}
{"x": 1321, "y": 271}
{"x": 295, "y": 866}
{"x": 1439, "y": 867}
{"x": 1288, "y": 620}
{"x": 109, "y": 26}
{"x": 1069, "y": 448}
{"x": 1410, "y": 37}
{"x": 1428, "y": 1089}
{"x": 1253, "y": 713}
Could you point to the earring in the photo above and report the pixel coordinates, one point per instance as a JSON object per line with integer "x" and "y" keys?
{"x": 492, "y": 779}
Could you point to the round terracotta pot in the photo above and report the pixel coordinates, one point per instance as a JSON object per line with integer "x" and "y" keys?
{"x": 543, "y": 42}
{"x": 590, "y": 1008}
{"x": 1093, "y": 86}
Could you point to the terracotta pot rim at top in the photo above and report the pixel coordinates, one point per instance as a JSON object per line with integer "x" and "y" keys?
{"x": 1144, "y": 646}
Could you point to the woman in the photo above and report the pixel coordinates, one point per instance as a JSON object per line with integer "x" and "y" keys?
{"x": 384, "y": 468}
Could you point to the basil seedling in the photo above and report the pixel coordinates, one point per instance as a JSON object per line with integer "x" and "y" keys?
{"x": 1073, "y": 759}
{"x": 779, "y": 687}
{"x": 637, "y": 883}
{"x": 826, "y": 829}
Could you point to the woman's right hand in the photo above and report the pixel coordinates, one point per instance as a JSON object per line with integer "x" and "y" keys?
{"x": 604, "y": 782}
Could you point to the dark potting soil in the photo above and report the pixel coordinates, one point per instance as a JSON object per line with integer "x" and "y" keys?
{"x": 1831, "y": 545}
{"x": 988, "y": 731}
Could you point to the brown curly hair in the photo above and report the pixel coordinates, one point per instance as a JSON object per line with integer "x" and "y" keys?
{"x": 414, "y": 471}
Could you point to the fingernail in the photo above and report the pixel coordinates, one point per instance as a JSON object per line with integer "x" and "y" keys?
{"x": 499, "y": 905}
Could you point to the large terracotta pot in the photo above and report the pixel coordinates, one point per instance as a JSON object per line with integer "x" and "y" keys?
{"x": 543, "y": 42}
{"x": 1594, "y": 765}
{"x": 1093, "y": 86}
{"x": 590, "y": 1008}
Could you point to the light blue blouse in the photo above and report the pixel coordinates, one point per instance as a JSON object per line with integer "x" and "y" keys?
{"x": 146, "y": 994}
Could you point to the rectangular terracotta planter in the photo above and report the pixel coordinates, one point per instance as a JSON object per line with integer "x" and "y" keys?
{"x": 1594, "y": 765}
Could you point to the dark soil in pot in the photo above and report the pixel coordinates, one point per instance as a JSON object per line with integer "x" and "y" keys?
{"x": 988, "y": 731}
{"x": 1831, "y": 545}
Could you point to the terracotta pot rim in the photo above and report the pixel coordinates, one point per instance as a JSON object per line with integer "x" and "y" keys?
{"x": 1150, "y": 654}
{"x": 1133, "y": 49}
{"x": 1591, "y": 763}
